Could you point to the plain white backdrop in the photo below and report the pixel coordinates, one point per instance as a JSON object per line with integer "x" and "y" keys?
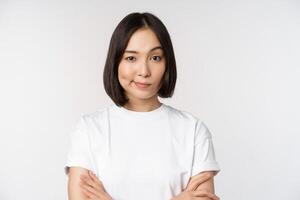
{"x": 238, "y": 70}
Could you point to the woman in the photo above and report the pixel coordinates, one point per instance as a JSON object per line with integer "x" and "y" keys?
{"x": 138, "y": 147}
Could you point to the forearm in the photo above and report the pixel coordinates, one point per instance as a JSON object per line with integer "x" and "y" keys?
{"x": 208, "y": 186}
{"x": 203, "y": 183}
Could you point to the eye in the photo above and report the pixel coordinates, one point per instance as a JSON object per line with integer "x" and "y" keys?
{"x": 156, "y": 58}
{"x": 130, "y": 58}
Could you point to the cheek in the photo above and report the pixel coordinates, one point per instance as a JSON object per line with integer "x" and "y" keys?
{"x": 160, "y": 72}
{"x": 124, "y": 72}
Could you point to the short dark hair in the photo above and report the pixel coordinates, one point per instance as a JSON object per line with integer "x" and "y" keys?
{"x": 118, "y": 43}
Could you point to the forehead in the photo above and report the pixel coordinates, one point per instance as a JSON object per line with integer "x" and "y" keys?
{"x": 143, "y": 40}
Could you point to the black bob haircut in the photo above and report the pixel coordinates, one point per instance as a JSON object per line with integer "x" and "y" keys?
{"x": 118, "y": 43}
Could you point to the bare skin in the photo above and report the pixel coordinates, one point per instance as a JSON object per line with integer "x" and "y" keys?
{"x": 142, "y": 62}
{"x": 82, "y": 185}
{"x": 200, "y": 186}
{"x": 93, "y": 189}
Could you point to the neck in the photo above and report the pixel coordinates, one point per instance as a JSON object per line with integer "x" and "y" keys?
{"x": 142, "y": 105}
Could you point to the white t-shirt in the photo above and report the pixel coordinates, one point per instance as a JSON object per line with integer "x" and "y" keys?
{"x": 142, "y": 155}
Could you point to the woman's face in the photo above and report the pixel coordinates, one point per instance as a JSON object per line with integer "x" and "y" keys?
{"x": 142, "y": 62}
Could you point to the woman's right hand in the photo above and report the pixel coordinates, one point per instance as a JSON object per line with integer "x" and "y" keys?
{"x": 195, "y": 195}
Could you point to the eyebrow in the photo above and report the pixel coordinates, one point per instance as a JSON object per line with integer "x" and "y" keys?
{"x": 131, "y": 51}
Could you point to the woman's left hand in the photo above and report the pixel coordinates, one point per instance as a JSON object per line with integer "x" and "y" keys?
{"x": 93, "y": 188}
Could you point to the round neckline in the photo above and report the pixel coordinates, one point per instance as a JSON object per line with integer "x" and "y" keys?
{"x": 144, "y": 115}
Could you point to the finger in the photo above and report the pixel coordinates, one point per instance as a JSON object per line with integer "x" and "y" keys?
{"x": 87, "y": 180}
{"x": 97, "y": 181}
{"x": 87, "y": 193}
{"x": 197, "y": 180}
{"x": 90, "y": 191}
{"x": 95, "y": 178}
{"x": 205, "y": 193}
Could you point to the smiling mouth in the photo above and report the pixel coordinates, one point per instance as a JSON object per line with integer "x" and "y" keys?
{"x": 141, "y": 85}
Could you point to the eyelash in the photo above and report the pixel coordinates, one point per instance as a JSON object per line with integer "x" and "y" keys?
{"x": 135, "y": 58}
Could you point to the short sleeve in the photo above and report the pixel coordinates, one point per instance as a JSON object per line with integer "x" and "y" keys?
{"x": 204, "y": 158}
{"x": 79, "y": 153}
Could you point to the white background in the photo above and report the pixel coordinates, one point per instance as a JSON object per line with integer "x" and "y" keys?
{"x": 238, "y": 70}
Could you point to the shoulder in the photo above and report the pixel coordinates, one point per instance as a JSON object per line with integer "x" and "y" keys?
{"x": 90, "y": 124}
{"x": 94, "y": 117}
{"x": 186, "y": 121}
{"x": 183, "y": 115}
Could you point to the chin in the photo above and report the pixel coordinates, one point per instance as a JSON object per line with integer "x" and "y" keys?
{"x": 141, "y": 95}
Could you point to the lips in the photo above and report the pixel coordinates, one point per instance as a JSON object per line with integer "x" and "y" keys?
{"x": 142, "y": 85}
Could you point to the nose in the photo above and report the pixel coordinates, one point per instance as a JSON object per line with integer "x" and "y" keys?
{"x": 144, "y": 69}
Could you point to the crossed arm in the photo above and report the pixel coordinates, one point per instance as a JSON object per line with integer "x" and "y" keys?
{"x": 195, "y": 183}
{"x": 74, "y": 189}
